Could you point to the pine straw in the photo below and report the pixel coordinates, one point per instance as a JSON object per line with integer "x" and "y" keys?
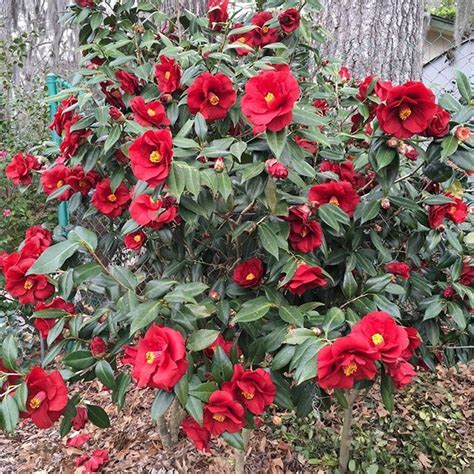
{"x": 134, "y": 444}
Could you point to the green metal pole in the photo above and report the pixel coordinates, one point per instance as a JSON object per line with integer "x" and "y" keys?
{"x": 52, "y": 82}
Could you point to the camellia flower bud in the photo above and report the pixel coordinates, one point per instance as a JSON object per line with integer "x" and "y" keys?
{"x": 402, "y": 148}
{"x": 317, "y": 331}
{"x": 214, "y": 295}
{"x": 411, "y": 153}
{"x": 463, "y": 134}
{"x": 276, "y": 169}
{"x": 166, "y": 98}
{"x": 377, "y": 228}
{"x": 219, "y": 165}
{"x": 98, "y": 347}
{"x": 449, "y": 292}
{"x": 116, "y": 114}
{"x": 385, "y": 203}
{"x": 392, "y": 142}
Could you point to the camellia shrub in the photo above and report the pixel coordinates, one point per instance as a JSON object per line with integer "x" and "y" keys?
{"x": 304, "y": 234}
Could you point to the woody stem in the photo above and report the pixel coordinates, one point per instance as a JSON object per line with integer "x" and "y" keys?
{"x": 240, "y": 454}
{"x": 346, "y": 434}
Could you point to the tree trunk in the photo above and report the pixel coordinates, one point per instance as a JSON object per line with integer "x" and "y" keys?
{"x": 376, "y": 37}
{"x": 171, "y": 7}
{"x": 462, "y": 24}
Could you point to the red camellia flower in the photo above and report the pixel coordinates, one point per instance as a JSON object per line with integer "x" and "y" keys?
{"x": 62, "y": 115}
{"x": 401, "y": 372}
{"x": 44, "y": 325}
{"x": 383, "y": 334}
{"x": 151, "y": 156}
{"x": 243, "y": 38}
{"x": 455, "y": 211}
{"x": 223, "y": 413}
{"x": 113, "y": 96}
{"x": 80, "y": 181}
{"x": 249, "y": 273}
{"x": 151, "y": 114}
{"x": 129, "y": 83}
{"x": 98, "y": 347}
{"x": 253, "y": 388}
{"x": 211, "y": 95}
{"x": 467, "y": 274}
{"x": 99, "y": 458}
{"x": 80, "y": 420}
{"x": 276, "y": 169}
{"x": 47, "y": 397}
{"x": 414, "y": 341}
{"x": 108, "y": 202}
{"x": 439, "y": 125}
{"x": 217, "y": 13}
{"x": 305, "y": 235}
{"x": 135, "y": 240}
{"x": 73, "y": 139}
{"x": 322, "y": 106}
{"x": 197, "y": 434}
{"x": 85, "y": 3}
{"x": 55, "y": 178}
{"x": 39, "y": 237}
{"x": 29, "y": 289}
{"x": 263, "y": 34}
{"x": 364, "y": 86}
{"x": 219, "y": 342}
{"x": 19, "y": 169}
{"x": 168, "y": 75}
{"x": 144, "y": 210}
{"x": 159, "y": 359}
{"x": 289, "y": 20}
{"x": 408, "y": 110}
{"x": 306, "y": 278}
{"x": 338, "y": 193}
{"x": 308, "y": 145}
{"x": 401, "y": 269}
{"x": 345, "y": 361}
{"x": 345, "y": 170}
{"x": 344, "y": 74}
{"x": 78, "y": 440}
{"x": 269, "y": 99}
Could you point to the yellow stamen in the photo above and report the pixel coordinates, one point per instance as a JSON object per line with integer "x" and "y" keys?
{"x": 250, "y": 277}
{"x": 265, "y": 29}
{"x": 137, "y": 238}
{"x": 167, "y": 75}
{"x": 404, "y": 112}
{"x": 334, "y": 201}
{"x": 242, "y": 39}
{"x": 60, "y": 184}
{"x": 377, "y": 339}
{"x": 82, "y": 184}
{"x": 304, "y": 232}
{"x": 214, "y": 100}
{"x": 35, "y": 403}
{"x": 151, "y": 112}
{"x": 219, "y": 418}
{"x": 248, "y": 395}
{"x": 28, "y": 284}
{"x": 150, "y": 357}
{"x": 350, "y": 369}
{"x": 112, "y": 197}
{"x": 155, "y": 156}
{"x": 269, "y": 97}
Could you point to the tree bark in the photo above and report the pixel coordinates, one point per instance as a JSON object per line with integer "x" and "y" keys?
{"x": 376, "y": 37}
{"x": 462, "y": 23}
{"x": 346, "y": 433}
{"x": 171, "y": 7}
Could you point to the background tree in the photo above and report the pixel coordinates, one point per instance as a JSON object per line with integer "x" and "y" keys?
{"x": 370, "y": 36}
{"x": 462, "y": 22}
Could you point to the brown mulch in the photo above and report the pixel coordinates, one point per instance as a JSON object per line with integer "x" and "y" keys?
{"x": 134, "y": 445}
